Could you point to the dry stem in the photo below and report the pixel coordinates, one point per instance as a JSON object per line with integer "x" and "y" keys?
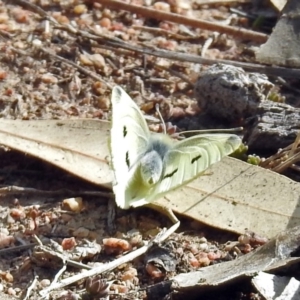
{"x": 176, "y": 18}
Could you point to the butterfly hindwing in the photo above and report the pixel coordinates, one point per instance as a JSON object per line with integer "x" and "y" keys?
{"x": 129, "y": 139}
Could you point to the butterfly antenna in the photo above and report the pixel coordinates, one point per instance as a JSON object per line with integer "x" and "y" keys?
{"x": 161, "y": 118}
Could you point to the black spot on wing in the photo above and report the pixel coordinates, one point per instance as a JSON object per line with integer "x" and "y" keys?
{"x": 124, "y": 131}
{"x": 195, "y": 158}
{"x": 127, "y": 159}
{"x": 170, "y": 174}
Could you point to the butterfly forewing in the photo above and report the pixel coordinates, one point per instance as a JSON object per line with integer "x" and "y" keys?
{"x": 191, "y": 157}
{"x": 129, "y": 139}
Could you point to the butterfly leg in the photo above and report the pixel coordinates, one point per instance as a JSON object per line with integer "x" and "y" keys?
{"x": 169, "y": 213}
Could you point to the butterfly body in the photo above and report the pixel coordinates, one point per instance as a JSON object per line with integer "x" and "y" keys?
{"x": 151, "y": 163}
{"x": 148, "y": 165}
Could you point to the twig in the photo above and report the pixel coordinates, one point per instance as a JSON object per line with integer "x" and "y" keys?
{"x": 79, "y": 68}
{"x": 295, "y": 145}
{"x": 214, "y": 36}
{"x": 287, "y": 163}
{"x": 17, "y": 248}
{"x": 175, "y": 73}
{"x": 32, "y": 286}
{"x": 115, "y": 43}
{"x": 38, "y": 241}
{"x": 209, "y": 42}
{"x": 159, "y": 80}
{"x": 220, "y": 2}
{"x": 16, "y": 190}
{"x": 58, "y": 274}
{"x": 285, "y": 158}
{"x": 273, "y": 71}
{"x": 44, "y": 14}
{"x": 160, "y": 32}
{"x": 105, "y": 40}
{"x": 171, "y": 17}
{"x": 112, "y": 265}
{"x": 66, "y": 61}
{"x": 52, "y": 253}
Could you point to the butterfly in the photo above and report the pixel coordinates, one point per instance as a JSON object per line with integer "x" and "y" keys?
{"x": 148, "y": 165}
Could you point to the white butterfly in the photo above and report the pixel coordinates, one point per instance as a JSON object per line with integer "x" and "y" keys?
{"x": 148, "y": 165}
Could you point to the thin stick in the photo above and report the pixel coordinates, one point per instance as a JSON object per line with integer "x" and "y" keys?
{"x": 221, "y": 2}
{"x": 159, "y": 31}
{"x": 59, "y": 273}
{"x": 17, "y": 248}
{"x": 225, "y": 130}
{"x": 109, "y": 266}
{"x": 32, "y": 286}
{"x": 295, "y": 145}
{"x": 79, "y": 68}
{"x": 179, "y": 19}
{"x": 175, "y": 73}
{"x": 114, "y": 43}
{"x": 17, "y": 190}
{"x": 172, "y": 55}
{"x": 287, "y": 163}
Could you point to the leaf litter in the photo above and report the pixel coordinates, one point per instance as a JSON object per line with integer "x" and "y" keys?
{"x": 59, "y": 62}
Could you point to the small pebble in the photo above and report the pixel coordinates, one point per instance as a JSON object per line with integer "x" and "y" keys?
{"x": 80, "y": 9}
{"x": 11, "y": 291}
{"x": 49, "y": 78}
{"x": 73, "y": 204}
{"x": 162, "y": 6}
{"x": 45, "y": 282}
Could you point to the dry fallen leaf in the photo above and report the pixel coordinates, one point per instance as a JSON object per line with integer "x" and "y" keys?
{"x": 279, "y": 4}
{"x": 77, "y": 146}
{"x": 235, "y": 196}
{"x": 277, "y": 253}
{"x": 238, "y": 196}
{"x": 274, "y": 287}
